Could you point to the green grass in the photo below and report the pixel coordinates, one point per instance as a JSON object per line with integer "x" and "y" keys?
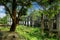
{"x": 29, "y": 33}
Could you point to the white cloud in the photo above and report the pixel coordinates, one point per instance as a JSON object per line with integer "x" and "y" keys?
{"x": 2, "y": 15}
{"x": 2, "y": 7}
{"x": 2, "y": 11}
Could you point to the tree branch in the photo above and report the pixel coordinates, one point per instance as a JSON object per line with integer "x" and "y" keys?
{"x": 19, "y": 13}
{"x": 7, "y": 9}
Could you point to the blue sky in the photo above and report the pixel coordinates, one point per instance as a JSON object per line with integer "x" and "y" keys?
{"x": 2, "y": 11}
{"x": 35, "y": 6}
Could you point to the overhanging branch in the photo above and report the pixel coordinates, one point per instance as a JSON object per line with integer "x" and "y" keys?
{"x": 19, "y": 13}
{"x": 7, "y": 9}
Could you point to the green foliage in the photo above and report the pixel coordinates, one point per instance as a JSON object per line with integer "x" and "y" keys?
{"x": 50, "y": 7}
{"x": 24, "y": 10}
{"x": 53, "y": 10}
{"x": 5, "y": 28}
{"x": 36, "y": 13}
{"x": 3, "y": 20}
{"x": 29, "y": 33}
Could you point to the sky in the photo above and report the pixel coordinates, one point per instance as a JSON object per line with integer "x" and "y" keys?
{"x": 2, "y": 11}
{"x": 35, "y": 6}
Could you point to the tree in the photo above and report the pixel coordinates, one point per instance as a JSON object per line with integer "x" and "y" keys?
{"x": 52, "y": 11}
{"x": 35, "y": 17}
{"x": 49, "y": 10}
{"x": 14, "y": 4}
{"x": 44, "y": 4}
{"x": 36, "y": 13}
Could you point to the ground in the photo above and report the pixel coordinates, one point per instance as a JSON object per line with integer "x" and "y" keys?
{"x": 29, "y": 33}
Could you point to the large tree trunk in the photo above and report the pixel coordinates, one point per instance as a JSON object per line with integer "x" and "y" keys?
{"x": 42, "y": 25}
{"x": 13, "y": 26}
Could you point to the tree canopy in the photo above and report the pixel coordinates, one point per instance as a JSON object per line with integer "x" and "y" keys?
{"x": 50, "y": 7}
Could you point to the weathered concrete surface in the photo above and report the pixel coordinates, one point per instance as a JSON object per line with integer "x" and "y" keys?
{"x": 9, "y": 36}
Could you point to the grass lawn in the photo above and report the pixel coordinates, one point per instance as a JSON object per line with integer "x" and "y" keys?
{"x": 29, "y": 33}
